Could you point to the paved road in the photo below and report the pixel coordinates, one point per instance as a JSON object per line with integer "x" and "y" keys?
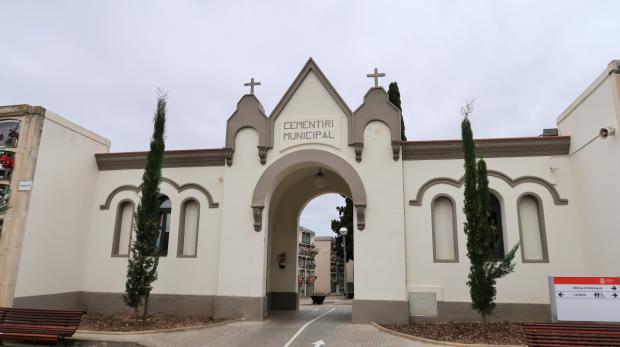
{"x": 329, "y": 323}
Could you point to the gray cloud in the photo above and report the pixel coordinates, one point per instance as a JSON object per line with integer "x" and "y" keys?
{"x": 98, "y": 63}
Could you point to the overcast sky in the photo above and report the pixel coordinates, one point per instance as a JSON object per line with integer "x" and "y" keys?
{"x": 98, "y": 63}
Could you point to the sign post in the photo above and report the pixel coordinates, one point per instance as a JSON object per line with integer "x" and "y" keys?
{"x": 594, "y": 299}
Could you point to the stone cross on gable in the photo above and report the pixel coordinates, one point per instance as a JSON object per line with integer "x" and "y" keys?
{"x": 251, "y": 84}
{"x": 376, "y": 76}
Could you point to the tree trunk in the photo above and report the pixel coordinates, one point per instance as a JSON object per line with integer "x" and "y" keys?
{"x": 146, "y": 308}
{"x": 137, "y": 312}
{"x": 483, "y": 318}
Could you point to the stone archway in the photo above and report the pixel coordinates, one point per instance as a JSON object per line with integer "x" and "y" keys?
{"x": 281, "y": 193}
{"x": 297, "y": 160}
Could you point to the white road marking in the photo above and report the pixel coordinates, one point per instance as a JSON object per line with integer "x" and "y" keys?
{"x": 306, "y": 325}
{"x": 318, "y": 343}
{"x": 316, "y": 309}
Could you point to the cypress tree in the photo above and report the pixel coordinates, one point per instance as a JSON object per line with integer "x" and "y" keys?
{"x": 484, "y": 269}
{"x": 394, "y": 97}
{"x": 144, "y": 254}
{"x": 345, "y": 219}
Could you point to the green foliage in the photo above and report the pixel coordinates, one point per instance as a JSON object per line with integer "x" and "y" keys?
{"x": 345, "y": 219}
{"x": 484, "y": 270}
{"x": 394, "y": 97}
{"x": 144, "y": 254}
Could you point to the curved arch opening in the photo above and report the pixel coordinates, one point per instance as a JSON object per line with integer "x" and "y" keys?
{"x": 299, "y": 207}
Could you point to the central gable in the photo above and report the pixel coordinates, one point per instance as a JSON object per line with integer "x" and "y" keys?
{"x": 311, "y": 112}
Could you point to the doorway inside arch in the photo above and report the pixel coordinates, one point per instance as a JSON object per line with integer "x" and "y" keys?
{"x": 305, "y": 255}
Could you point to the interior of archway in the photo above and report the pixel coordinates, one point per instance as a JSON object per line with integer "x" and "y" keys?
{"x": 285, "y": 206}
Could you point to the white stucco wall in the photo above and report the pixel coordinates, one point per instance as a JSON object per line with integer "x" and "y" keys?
{"x": 528, "y": 283}
{"x": 59, "y": 214}
{"x": 595, "y": 170}
{"x": 242, "y": 250}
{"x": 177, "y": 275}
{"x": 380, "y": 266}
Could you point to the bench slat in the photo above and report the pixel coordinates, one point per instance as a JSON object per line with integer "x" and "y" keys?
{"x": 38, "y": 325}
{"x": 572, "y": 334}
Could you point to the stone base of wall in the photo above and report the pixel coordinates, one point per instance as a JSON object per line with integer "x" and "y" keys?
{"x": 380, "y": 311}
{"x": 462, "y": 312}
{"x": 251, "y": 308}
{"x": 283, "y": 301}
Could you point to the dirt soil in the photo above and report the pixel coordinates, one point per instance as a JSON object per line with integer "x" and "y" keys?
{"x": 498, "y": 333}
{"x": 125, "y": 323}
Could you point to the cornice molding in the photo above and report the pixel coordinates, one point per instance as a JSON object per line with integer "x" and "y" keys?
{"x": 557, "y": 199}
{"x": 488, "y": 148}
{"x": 176, "y": 158}
{"x": 18, "y": 110}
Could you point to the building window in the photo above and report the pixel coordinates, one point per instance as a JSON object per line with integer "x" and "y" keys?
{"x": 532, "y": 229}
{"x": 188, "y": 230}
{"x": 9, "y": 133}
{"x": 495, "y": 221}
{"x": 123, "y": 228}
{"x": 445, "y": 246}
{"x": 165, "y": 208}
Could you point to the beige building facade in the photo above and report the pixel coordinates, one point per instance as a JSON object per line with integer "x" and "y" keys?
{"x": 229, "y": 212}
{"x": 329, "y": 267}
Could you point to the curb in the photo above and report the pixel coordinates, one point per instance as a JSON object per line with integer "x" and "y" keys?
{"x": 435, "y": 342}
{"x": 157, "y": 331}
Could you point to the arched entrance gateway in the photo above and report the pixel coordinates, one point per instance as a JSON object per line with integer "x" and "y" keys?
{"x": 277, "y": 159}
{"x": 294, "y": 178}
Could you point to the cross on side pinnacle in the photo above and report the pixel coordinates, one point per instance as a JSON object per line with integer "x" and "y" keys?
{"x": 376, "y": 76}
{"x": 251, "y": 84}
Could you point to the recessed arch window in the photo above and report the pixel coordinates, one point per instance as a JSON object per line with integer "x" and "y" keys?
{"x": 9, "y": 133}
{"x": 188, "y": 228}
{"x": 165, "y": 209}
{"x": 497, "y": 227}
{"x": 123, "y": 228}
{"x": 445, "y": 245}
{"x": 532, "y": 229}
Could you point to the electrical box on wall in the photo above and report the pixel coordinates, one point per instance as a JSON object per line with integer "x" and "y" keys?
{"x": 423, "y": 304}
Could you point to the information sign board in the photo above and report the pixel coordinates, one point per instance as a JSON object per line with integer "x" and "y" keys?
{"x": 595, "y": 299}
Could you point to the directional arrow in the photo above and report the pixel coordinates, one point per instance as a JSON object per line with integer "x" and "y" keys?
{"x": 614, "y": 288}
{"x": 560, "y": 294}
{"x": 614, "y": 295}
{"x": 318, "y": 343}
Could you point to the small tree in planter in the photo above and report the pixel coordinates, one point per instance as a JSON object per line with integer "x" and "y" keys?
{"x": 485, "y": 269}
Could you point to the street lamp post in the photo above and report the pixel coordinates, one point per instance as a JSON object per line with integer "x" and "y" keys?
{"x": 343, "y": 232}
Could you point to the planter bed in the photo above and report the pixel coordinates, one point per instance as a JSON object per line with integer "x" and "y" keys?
{"x": 127, "y": 323}
{"x": 498, "y": 333}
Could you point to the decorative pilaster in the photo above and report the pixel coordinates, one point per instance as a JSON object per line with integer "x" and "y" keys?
{"x": 358, "y": 147}
{"x": 228, "y": 155}
{"x": 396, "y": 150}
{"x": 262, "y": 154}
{"x": 257, "y": 212}
{"x": 361, "y": 216}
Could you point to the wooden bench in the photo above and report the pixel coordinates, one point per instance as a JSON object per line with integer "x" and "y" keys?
{"x": 572, "y": 334}
{"x": 49, "y": 326}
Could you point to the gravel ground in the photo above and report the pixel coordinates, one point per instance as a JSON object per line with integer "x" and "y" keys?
{"x": 498, "y": 333}
{"x": 127, "y": 323}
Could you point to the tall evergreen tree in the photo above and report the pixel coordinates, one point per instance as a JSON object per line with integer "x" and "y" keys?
{"x": 394, "y": 97}
{"x": 144, "y": 253}
{"x": 345, "y": 219}
{"x": 484, "y": 269}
